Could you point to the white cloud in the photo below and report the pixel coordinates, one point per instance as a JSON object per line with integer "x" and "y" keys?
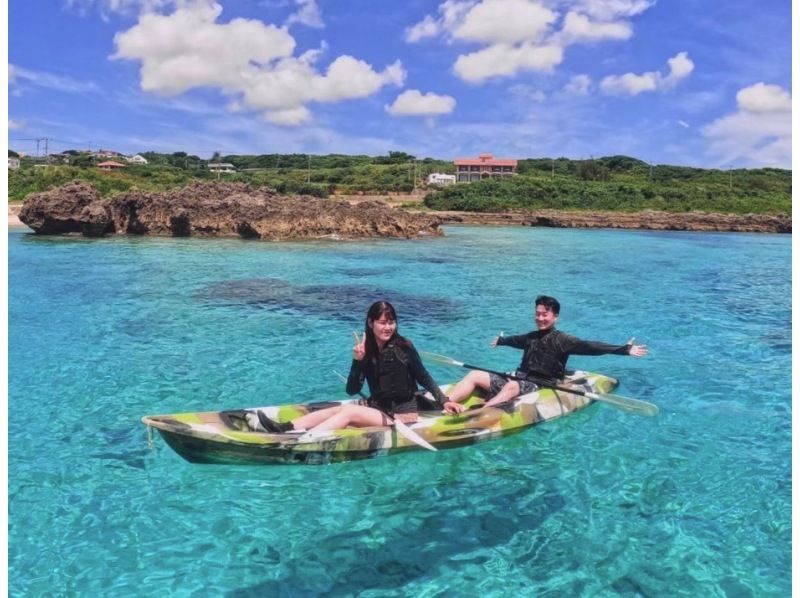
{"x": 308, "y": 14}
{"x": 684, "y": 124}
{"x": 579, "y": 28}
{"x": 414, "y": 103}
{"x": 680, "y": 67}
{"x": 14, "y": 125}
{"x": 759, "y": 133}
{"x": 504, "y": 22}
{"x": 632, "y": 84}
{"x": 764, "y": 98}
{"x": 428, "y": 27}
{"x": 246, "y": 59}
{"x": 579, "y": 85}
{"x": 504, "y": 61}
{"x": 523, "y": 35}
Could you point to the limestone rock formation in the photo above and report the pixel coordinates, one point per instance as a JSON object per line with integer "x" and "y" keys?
{"x": 217, "y": 209}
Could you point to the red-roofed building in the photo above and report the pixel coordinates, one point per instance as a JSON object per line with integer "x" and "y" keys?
{"x": 110, "y": 165}
{"x": 484, "y": 166}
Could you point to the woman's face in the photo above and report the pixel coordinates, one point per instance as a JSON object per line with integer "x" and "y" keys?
{"x": 383, "y": 328}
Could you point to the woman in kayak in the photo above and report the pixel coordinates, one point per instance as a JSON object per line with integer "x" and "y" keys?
{"x": 392, "y": 369}
{"x": 545, "y": 354}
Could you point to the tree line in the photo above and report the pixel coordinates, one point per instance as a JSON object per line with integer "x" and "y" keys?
{"x": 606, "y": 183}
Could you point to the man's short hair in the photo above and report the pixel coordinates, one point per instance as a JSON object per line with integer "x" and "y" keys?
{"x": 550, "y": 303}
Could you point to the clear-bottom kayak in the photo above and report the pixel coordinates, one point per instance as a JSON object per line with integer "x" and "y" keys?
{"x": 231, "y": 436}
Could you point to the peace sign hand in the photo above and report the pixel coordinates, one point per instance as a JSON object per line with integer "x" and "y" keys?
{"x": 359, "y": 350}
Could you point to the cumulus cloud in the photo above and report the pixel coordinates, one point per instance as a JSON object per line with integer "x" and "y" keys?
{"x": 579, "y": 28}
{"x": 504, "y": 22}
{"x": 415, "y": 103}
{"x": 579, "y": 85}
{"x": 759, "y": 133}
{"x": 247, "y": 59}
{"x": 427, "y": 27}
{"x": 502, "y": 60}
{"x": 523, "y": 35}
{"x": 764, "y": 98}
{"x": 632, "y": 84}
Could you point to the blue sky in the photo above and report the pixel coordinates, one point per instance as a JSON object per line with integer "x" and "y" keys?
{"x": 688, "y": 82}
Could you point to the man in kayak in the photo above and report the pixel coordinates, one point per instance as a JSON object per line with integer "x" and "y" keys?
{"x": 545, "y": 354}
{"x": 392, "y": 369}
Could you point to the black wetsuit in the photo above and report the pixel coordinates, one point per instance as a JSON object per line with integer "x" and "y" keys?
{"x": 392, "y": 377}
{"x": 546, "y": 351}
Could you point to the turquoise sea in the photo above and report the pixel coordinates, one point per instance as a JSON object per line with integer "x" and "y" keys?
{"x": 694, "y": 502}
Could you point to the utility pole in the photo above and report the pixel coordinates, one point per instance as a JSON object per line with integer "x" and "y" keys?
{"x": 730, "y": 178}
{"x": 552, "y": 168}
{"x": 308, "y": 179}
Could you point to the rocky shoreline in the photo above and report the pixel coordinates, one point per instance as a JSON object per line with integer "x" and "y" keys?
{"x": 235, "y": 209}
{"x": 217, "y": 210}
{"x": 645, "y": 220}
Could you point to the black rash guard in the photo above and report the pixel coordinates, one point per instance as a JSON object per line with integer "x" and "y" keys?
{"x": 546, "y": 351}
{"x": 399, "y": 396}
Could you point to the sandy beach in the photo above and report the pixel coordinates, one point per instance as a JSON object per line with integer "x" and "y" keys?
{"x": 13, "y": 215}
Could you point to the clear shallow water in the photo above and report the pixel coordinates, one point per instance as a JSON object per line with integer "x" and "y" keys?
{"x": 693, "y": 502}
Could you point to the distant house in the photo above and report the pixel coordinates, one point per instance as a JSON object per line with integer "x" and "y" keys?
{"x": 110, "y": 165}
{"x": 221, "y": 167}
{"x": 101, "y": 153}
{"x": 438, "y": 178}
{"x": 484, "y": 166}
{"x": 137, "y": 159}
{"x": 13, "y": 163}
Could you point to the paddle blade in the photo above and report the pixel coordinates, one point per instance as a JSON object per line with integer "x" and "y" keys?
{"x": 628, "y": 404}
{"x": 411, "y": 435}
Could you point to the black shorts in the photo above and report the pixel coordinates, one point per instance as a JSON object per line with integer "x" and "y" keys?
{"x": 497, "y": 382}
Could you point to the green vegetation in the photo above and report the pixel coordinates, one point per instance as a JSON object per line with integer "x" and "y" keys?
{"x": 619, "y": 183}
{"x": 612, "y": 183}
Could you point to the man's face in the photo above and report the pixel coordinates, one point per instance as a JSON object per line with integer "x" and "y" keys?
{"x": 544, "y": 317}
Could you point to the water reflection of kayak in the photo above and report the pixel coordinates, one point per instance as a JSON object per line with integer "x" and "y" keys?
{"x": 229, "y": 436}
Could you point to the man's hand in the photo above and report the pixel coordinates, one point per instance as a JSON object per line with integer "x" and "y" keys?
{"x": 636, "y": 350}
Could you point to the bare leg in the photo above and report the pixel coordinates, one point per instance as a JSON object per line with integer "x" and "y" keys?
{"x": 354, "y": 415}
{"x": 309, "y": 420}
{"x": 466, "y": 386}
{"x": 508, "y": 392}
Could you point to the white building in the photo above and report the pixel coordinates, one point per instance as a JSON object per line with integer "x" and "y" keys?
{"x": 13, "y": 163}
{"x": 437, "y": 178}
{"x": 221, "y": 167}
{"x": 137, "y": 159}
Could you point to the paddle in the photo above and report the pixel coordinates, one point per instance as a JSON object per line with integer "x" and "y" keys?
{"x": 403, "y": 429}
{"x": 624, "y": 403}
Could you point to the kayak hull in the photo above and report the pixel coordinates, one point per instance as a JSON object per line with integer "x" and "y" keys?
{"x": 225, "y": 437}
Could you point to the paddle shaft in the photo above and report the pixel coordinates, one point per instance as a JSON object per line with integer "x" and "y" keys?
{"x": 537, "y": 381}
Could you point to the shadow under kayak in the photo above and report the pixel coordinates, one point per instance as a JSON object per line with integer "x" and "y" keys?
{"x": 227, "y": 436}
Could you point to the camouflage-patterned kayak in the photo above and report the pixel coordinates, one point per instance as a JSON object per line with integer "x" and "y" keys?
{"x": 227, "y": 436}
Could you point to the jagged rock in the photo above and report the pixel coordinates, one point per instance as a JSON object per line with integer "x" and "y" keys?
{"x": 217, "y": 209}
{"x": 59, "y": 211}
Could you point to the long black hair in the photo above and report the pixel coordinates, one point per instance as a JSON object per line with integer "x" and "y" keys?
{"x": 375, "y": 312}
